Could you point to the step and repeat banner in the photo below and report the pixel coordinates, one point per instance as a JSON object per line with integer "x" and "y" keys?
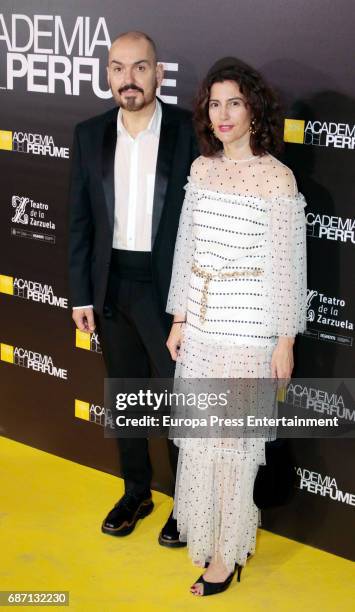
{"x": 52, "y": 75}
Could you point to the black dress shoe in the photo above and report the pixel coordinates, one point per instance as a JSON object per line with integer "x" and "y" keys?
{"x": 169, "y": 535}
{"x": 123, "y": 517}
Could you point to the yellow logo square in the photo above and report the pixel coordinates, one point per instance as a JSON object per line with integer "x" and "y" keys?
{"x": 281, "y": 394}
{"x": 82, "y": 410}
{"x": 6, "y": 140}
{"x": 7, "y": 353}
{"x": 6, "y": 284}
{"x": 82, "y": 339}
{"x": 294, "y": 130}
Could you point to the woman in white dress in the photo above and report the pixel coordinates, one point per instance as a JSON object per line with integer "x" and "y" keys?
{"x": 238, "y": 296}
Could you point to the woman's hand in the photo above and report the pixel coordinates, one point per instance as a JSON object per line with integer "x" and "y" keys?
{"x": 175, "y": 337}
{"x": 282, "y": 359}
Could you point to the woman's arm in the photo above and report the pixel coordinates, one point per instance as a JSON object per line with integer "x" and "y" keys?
{"x": 288, "y": 276}
{"x": 181, "y": 272}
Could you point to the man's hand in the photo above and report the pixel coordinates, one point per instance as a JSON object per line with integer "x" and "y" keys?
{"x": 84, "y": 319}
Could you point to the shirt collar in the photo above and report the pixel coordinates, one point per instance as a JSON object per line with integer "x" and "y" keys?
{"x": 153, "y": 125}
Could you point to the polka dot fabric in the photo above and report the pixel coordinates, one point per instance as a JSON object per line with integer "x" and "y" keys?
{"x": 237, "y": 216}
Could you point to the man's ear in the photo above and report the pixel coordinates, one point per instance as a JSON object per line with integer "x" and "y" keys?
{"x": 108, "y": 76}
{"x": 160, "y": 74}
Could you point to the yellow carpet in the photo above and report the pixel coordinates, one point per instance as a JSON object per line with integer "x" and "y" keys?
{"x": 50, "y": 515}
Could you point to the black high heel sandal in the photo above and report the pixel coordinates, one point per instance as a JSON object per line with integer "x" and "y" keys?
{"x": 212, "y": 588}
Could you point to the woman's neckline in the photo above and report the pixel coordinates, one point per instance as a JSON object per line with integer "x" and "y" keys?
{"x": 240, "y": 161}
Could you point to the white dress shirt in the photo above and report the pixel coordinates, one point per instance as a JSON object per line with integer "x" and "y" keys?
{"x": 134, "y": 180}
{"x": 135, "y": 167}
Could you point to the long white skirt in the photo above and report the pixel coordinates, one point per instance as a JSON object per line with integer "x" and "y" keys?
{"x": 214, "y": 504}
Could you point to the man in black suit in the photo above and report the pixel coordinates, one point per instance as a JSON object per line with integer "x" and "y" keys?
{"x": 130, "y": 165}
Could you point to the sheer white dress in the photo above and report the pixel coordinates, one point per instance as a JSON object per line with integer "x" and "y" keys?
{"x": 236, "y": 216}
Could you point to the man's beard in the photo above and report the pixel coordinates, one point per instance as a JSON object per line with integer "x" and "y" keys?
{"x": 133, "y": 103}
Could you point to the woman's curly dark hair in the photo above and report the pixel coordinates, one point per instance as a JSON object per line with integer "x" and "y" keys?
{"x": 262, "y": 101}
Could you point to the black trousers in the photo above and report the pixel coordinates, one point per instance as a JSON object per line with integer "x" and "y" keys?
{"x": 133, "y": 336}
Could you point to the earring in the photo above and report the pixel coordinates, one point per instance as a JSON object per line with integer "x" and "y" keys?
{"x": 252, "y": 129}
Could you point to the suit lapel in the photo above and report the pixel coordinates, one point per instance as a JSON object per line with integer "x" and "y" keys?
{"x": 166, "y": 148}
{"x": 108, "y": 166}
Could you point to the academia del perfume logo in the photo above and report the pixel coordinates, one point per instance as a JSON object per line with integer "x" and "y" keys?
{"x": 87, "y": 341}
{"x": 320, "y": 133}
{"x": 32, "y": 360}
{"x": 331, "y": 227}
{"x": 323, "y": 485}
{"x": 73, "y": 58}
{"x": 320, "y": 401}
{"x": 32, "y": 143}
{"x": 31, "y": 290}
{"x": 94, "y": 413}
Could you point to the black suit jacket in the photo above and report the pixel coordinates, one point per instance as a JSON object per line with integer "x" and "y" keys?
{"x": 91, "y": 200}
